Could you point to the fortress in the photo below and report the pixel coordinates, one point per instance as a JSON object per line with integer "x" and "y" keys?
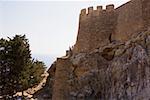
{"x": 111, "y": 57}
{"x": 100, "y": 27}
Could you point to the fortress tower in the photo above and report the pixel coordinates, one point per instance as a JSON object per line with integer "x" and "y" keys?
{"x": 94, "y": 27}
{"x": 102, "y": 26}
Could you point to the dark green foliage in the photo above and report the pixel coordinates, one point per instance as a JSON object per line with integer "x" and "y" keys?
{"x": 17, "y": 69}
{"x": 6, "y": 79}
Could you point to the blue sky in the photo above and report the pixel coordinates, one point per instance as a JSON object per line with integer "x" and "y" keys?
{"x": 50, "y": 26}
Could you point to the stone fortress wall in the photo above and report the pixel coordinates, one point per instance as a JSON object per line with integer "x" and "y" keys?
{"x": 102, "y": 26}
{"x": 98, "y": 28}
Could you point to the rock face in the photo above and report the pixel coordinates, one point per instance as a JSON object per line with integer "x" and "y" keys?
{"x": 111, "y": 58}
{"x": 118, "y": 71}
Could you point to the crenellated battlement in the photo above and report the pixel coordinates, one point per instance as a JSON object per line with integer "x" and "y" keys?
{"x": 83, "y": 12}
{"x": 110, "y": 7}
{"x": 90, "y": 10}
{"x": 97, "y": 22}
{"x": 99, "y": 8}
{"x": 99, "y": 27}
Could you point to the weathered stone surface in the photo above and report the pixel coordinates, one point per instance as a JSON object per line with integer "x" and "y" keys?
{"x": 94, "y": 76}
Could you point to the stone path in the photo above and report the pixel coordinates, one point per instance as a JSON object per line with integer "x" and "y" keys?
{"x": 29, "y": 92}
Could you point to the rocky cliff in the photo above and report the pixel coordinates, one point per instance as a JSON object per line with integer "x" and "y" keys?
{"x": 116, "y": 69}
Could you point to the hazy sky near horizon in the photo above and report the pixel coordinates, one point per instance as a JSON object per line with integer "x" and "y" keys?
{"x": 50, "y": 26}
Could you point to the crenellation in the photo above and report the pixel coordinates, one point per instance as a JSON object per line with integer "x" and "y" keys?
{"x": 110, "y": 7}
{"x": 83, "y": 12}
{"x": 99, "y": 8}
{"x": 97, "y": 11}
{"x": 90, "y": 10}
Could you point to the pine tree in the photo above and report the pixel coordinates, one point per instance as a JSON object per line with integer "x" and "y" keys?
{"x": 6, "y": 80}
{"x": 17, "y": 69}
{"x": 21, "y": 57}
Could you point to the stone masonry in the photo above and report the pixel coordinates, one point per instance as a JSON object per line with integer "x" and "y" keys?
{"x": 99, "y": 27}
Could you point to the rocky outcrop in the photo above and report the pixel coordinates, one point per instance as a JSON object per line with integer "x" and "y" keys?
{"x": 118, "y": 71}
